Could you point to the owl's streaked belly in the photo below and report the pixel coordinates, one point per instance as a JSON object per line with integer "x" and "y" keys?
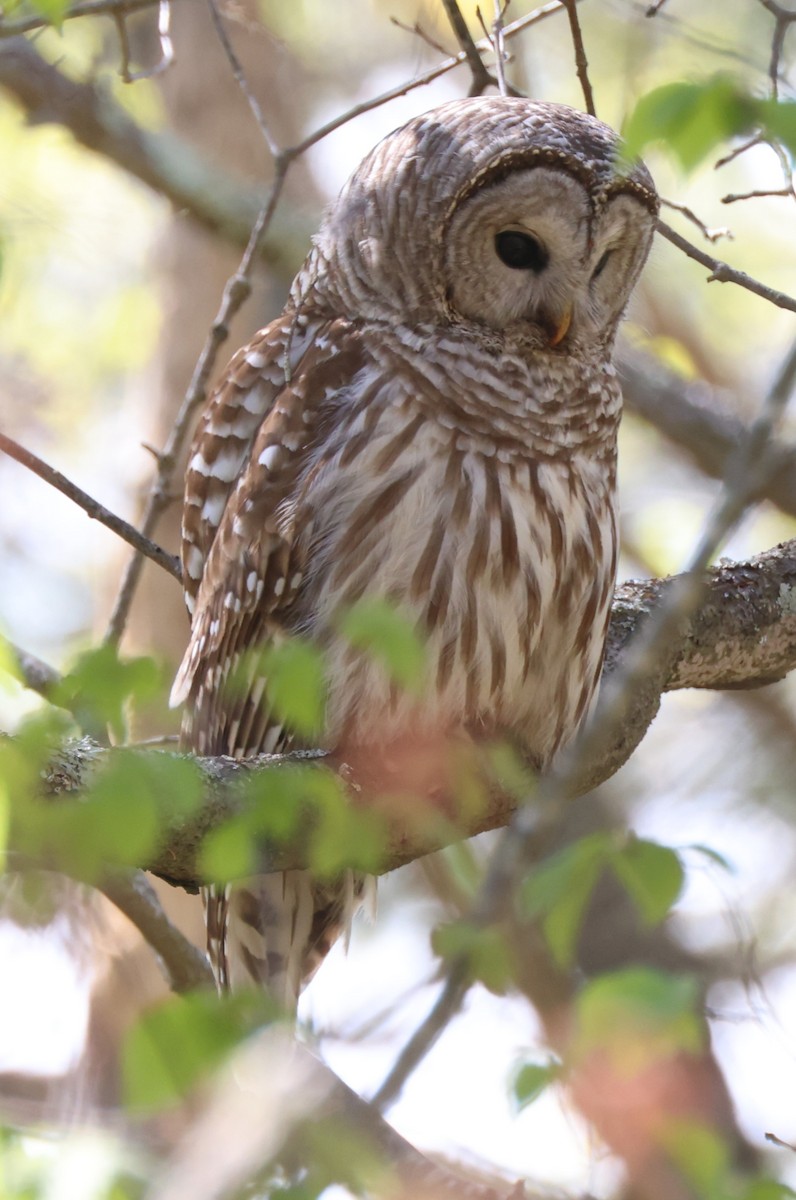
{"x": 506, "y": 568}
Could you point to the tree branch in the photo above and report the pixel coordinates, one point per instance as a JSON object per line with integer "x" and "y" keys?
{"x": 742, "y": 636}
{"x": 227, "y": 207}
{"x": 92, "y": 507}
{"x": 722, "y": 272}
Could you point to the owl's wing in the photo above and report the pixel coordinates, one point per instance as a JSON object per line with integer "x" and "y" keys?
{"x": 244, "y": 559}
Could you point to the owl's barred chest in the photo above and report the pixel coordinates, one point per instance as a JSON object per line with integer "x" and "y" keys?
{"x": 503, "y": 560}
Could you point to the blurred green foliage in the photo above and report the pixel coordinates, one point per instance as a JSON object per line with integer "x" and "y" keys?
{"x": 178, "y": 1044}
{"x": 558, "y": 890}
{"x": 694, "y": 120}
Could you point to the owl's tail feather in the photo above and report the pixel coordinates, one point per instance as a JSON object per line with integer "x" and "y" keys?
{"x": 275, "y": 930}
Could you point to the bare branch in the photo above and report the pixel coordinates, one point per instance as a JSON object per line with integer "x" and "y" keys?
{"x": 37, "y": 675}
{"x": 721, "y": 272}
{"x": 581, "y": 62}
{"x": 93, "y": 509}
{"x": 165, "y": 163}
{"x": 160, "y": 496}
{"x": 241, "y": 80}
{"x": 184, "y": 965}
{"x": 712, "y": 235}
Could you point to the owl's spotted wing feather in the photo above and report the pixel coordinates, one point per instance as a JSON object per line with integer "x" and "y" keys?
{"x": 252, "y": 461}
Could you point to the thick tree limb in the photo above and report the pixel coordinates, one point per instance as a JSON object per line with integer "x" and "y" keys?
{"x": 743, "y": 636}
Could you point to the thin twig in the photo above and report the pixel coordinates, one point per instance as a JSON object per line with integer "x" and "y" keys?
{"x": 655, "y": 8}
{"x": 418, "y": 31}
{"x": 93, "y": 509}
{"x": 721, "y": 272}
{"x": 580, "y": 56}
{"x": 783, "y": 19}
{"x": 734, "y": 197}
{"x": 241, "y": 80}
{"x": 712, "y": 235}
{"x": 235, "y": 292}
{"x": 445, "y": 1008}
{"x": 499, "y": 44}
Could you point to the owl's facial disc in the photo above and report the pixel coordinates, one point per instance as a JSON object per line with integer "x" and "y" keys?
{"x": 515, "y": 251}
{"x": 532, "y": 248}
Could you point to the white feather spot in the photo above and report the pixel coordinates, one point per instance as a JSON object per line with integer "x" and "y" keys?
{"x": 194, "y": 561}
{"x": 279, "y": 586}
{"x": 213, "y": 508}
{"x": 296, "y": 580}
{"x": 269, "y": 456}
{"x": 256, "y": 359}
{"x": 227, "y": 466}
{"x": 199, "y": 464}
{"x": 251, "y": 581}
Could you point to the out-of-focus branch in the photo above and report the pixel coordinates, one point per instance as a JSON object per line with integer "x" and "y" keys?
{"x": 184, "y": 965}
{"x": 37, "y": 675}
{"x": 96, "y": 511}
{"x": 481, "y": 77}
{"x": 13, "y": 27}
{"x": 227, "y": 207}
{"x": 690, "y": 415}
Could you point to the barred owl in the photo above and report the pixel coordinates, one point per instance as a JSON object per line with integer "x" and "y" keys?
{"x": 431, "y": 420}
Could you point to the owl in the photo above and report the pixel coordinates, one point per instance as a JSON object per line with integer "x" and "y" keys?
{"x": 431, "y": 421}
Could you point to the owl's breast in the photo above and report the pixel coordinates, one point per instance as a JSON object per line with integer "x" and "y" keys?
{"x": 503, "y": 562}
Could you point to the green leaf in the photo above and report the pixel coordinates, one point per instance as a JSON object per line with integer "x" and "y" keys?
{"x": 532, "y": 1079}
{"x": 119, "y": 819}
{"x": 229, "y": 852}
{"x": 767, "y": 1189}
{"x": 558, "y": 890}
{"x": 171, "y": 1049}
{"x": 702, "y": 1156}
{"x": 484, "y": 950}
{"x": 692, "y": 119}
{"x": 652, "y": 876}
{"x": 343, "y": 837}
{"x": 296, "y": 685}
{"x": 636, "y": 1016}
{"x": 100, "y": 686}
{"x": 53, "y": 11}
{"x": 374, "y": 625}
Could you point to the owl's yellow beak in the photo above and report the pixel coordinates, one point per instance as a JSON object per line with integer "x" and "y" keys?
{"x": 558, "y": 329}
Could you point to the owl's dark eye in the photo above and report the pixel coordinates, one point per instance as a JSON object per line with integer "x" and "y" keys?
{"x": 521, "y": 251}
{"x": 598, "y": 270}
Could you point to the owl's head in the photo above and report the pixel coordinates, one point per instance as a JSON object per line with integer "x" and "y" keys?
{"x": 500, "y": 212}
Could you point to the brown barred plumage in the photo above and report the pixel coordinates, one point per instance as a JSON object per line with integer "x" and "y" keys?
{"x": 431, "y": 420}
